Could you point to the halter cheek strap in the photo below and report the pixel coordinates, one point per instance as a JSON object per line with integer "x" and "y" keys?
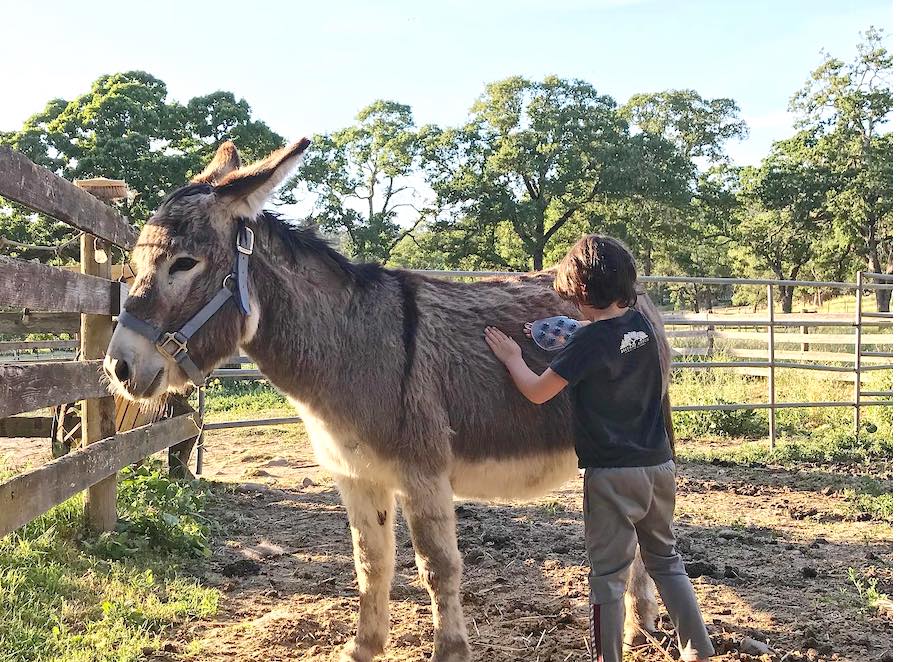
{"x": 173, "y": 344}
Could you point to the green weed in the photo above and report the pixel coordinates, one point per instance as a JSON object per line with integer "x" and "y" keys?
{"x": 832, "y": 447}
{"x": 870, "y": 497}
{"x": 69, "y": 597}
{"x": 746, "y": 423}
{"x": 245, "y": 396}
{"x": 156, "y": 513}
{"x": 870, "y": 598}
{"x": 552, "y": 507}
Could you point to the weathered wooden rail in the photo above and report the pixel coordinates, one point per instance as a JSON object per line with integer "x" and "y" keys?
{"x": 68, "y": 302}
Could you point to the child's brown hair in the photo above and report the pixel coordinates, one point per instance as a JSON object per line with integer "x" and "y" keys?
{"x": 597, "y": 271}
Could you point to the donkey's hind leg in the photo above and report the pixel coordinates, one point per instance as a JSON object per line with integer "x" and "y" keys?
{"x": 641, "y": 609}
{"x": 428, "y": 509}
{"x": 370, "y": 508}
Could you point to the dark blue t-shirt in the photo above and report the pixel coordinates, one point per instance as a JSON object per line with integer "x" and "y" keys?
{"x": 612, "y": 367}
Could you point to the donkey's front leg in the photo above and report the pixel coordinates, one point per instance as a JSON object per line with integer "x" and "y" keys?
{"x": 370, "y": 508}
{"x": 428, "y": 509}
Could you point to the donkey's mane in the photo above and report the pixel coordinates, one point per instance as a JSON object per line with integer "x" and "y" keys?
{"x": 304, "y": 240}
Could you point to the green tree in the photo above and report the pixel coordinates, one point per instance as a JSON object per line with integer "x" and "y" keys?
{"x": 125, "y": 128}
{"x": 360, "y": 178}
{"x": 698, "y": 127}
{"x": 650, "y": 204}
{"x": 534, "y": 157}
{"x": 785, "y": 211}
{"x": 700, "y": 247}
{"x": 846, "y": 106}
{"x": 672, "y": 220}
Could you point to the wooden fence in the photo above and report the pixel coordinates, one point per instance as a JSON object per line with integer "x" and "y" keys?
{"x": 69, "y": 302}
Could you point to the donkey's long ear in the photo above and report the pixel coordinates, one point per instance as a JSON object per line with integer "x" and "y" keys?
{"x": 246, "y": 190}
{"x": 225, "y": 161}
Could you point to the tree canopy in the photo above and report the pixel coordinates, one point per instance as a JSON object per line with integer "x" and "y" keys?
{"x": 126, "y": 128}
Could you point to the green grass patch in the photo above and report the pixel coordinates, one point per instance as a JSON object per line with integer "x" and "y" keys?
{"x": 239, "y": 397}
{"x": 869, "y": 598}
{"x": 67, "y": 596}
{"x": 832, "y": 447}
{"x": 870, "y": 497}
{"x": 716, "y": 386}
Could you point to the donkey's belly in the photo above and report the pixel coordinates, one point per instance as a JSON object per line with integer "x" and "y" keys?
{"x": 341, "y": 453}
{"x": 513, "y": 478}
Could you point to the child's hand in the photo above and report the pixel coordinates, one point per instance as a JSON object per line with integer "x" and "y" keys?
{"x": 504, "y": 348}
{"x": 527, "y": 329}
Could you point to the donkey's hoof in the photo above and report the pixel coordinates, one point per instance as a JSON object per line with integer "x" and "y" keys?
{"x": 358, "y": 651}
{"x": 452, "y": 650}
{"x": 633, "y": 639}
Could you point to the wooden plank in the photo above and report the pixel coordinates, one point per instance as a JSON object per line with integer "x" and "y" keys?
{"x": 16, "y": 324}
{"x": 806, "y": 338}
{"x": 25, "y": 345}
{"x": 35, "y": 492}
{"x": 691, "y": 351}
{"x": 836, "y": 357}
{"x": 702, "y": 333}
{"x": 40, "y": 357}
{"x": 180, "y": 454}
{"x": 26, "y": 426}
{"x": 37, "y": 385}
{"x": 41, "y": 190}
{"x": 848, "y": 377}
{"x": 41, "y": 287}
{"x": 809, "y": 319}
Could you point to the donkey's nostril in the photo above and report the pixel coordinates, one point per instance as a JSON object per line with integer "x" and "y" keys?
{"x": 120, "y": 367}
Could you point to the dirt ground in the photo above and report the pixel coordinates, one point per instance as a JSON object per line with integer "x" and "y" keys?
{"x": 770, "y": 548}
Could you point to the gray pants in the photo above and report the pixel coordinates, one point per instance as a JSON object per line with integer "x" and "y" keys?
{"x": 624, "y": 506}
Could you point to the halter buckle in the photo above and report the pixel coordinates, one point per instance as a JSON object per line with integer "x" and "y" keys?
{"x": 176, "y": 339}
{"x": 245, "y": 247}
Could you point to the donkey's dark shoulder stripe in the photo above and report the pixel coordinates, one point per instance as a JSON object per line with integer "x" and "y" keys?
{"x": 408, "y": 287}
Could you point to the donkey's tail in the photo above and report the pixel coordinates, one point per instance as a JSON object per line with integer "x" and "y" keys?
{"x": 670, "y": 426}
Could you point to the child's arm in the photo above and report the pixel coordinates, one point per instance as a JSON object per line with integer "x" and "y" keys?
{"x": 537, "y": 388}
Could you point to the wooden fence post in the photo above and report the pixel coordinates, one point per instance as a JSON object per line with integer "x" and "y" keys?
{"x": 98, "y": 417}
{"x": 180, "y": 453}
{"x": 770, "y": 298}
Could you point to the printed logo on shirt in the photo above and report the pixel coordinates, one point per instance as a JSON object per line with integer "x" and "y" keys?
{"x": 632, "y": 340}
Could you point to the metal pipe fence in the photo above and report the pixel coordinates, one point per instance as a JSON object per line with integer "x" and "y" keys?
{"x": 865, "y": 281}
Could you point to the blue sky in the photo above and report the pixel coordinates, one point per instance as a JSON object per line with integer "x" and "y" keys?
{"x": 309, "y": 67}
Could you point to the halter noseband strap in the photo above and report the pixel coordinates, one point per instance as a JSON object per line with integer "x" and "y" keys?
{"x": 173, "y": 344}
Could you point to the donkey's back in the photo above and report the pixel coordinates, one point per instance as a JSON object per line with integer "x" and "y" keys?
{"x": 502, "y": 444}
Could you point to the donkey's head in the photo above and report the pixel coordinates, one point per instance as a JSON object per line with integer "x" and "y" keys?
{"x": 193, "y": 251}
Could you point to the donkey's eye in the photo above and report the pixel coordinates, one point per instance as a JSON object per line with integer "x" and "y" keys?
{"x": 183, "y": 264}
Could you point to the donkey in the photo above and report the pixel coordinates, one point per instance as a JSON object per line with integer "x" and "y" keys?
{"x": 400, "y": 396}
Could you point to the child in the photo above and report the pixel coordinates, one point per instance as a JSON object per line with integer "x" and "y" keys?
{"x": 611, "y": 365}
